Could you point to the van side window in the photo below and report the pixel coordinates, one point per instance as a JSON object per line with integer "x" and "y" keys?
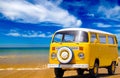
{"x": 93, "y": 37}
{"x": 102, "y": 39}
{"x": 110, "y": 40}
{"x": 83, "y": 37}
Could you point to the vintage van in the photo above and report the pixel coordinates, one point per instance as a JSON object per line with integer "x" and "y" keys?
{"x": 83, "y": 50}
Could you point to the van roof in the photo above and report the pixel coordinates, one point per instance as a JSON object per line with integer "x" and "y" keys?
{"x": 84, "y": 29}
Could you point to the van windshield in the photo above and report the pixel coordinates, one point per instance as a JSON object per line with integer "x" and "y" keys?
{"x": 71, "y": 36}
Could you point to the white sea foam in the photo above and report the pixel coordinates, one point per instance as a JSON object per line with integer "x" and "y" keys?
{"x": 39, "y": 67}
{"x": 22, "y": 69}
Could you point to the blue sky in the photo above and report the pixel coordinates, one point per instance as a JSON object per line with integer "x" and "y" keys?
{"x": 26, "y": 23}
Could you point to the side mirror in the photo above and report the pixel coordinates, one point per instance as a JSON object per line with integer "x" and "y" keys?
{"x": 96, "y": 41}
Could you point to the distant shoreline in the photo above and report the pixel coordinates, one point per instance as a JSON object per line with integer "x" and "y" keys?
{"x": 27, "y": 46}
{"x": 24, "y": 47}
{"x": 31, "y": 47}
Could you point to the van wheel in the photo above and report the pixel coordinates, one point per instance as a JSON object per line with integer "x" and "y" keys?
{"x": 94, "y": 72}
{"x": 80, "y": 71}
{"x": 58, "y": 72}
{"x": 111, "y": 69}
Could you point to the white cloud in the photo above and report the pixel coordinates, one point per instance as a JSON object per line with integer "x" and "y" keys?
{"x": 15, "y": 34}
{"x": 28, "y": 34}
{"x": 26, "y": 12}
{"x": 110, "y": 12}
{"x": 33, "y": 35}
{"x": 90, "y": 14}
{"x": 117, "y": 30}
{"x": 56, "y": 2}
{"x": 102, "y": 25}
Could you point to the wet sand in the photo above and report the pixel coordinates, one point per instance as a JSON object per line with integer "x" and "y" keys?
{"x": 48, "y": 73}
{"x": 38, "y": 69}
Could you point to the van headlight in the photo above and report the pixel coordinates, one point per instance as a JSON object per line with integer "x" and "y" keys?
{"x": 81, "y": 55}
{"x": 53, "y": 55}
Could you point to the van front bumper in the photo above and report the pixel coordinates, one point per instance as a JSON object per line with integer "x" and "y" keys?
{"x": 68, "y": 66}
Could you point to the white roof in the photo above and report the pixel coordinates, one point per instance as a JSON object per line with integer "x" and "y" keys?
{"x": 84, "y": 29}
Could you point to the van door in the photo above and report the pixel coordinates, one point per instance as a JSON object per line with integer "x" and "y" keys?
{"x": 112, "y": 49}
{"x": 103, "y": 55}
{"x": 94, "y": 48}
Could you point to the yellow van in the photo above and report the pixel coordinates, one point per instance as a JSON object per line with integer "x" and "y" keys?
{"x": 83, "y": 50}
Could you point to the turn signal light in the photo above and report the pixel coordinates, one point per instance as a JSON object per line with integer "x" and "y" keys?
{"x": 80, "y": 48}
{"x": 53, "y": 48}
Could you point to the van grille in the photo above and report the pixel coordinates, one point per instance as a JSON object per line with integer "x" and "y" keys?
{"x": 73, "y": 48}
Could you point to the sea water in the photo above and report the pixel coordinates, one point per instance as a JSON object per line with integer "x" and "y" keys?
{"x": 24, "y": 57}
{"x": 24, "y": 51}
{"x": 28, "y": 51}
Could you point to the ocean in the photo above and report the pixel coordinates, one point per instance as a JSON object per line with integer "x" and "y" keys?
{"x": 24, "y": 57}
{"x": 39, "y": 51}
{"x": 24, "y": 50}
{"x": 119, "y": 51}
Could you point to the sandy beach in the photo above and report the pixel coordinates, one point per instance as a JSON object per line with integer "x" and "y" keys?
{"x": 32, "y": 68}
{"x": 48, "y": 73}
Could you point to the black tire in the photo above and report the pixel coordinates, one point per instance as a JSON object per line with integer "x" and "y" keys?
{"x": 80, "y": 71}
{"x": 94, "y": 72}
{"x": 58, "y": 72}
{"x": 111, "y": 68}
